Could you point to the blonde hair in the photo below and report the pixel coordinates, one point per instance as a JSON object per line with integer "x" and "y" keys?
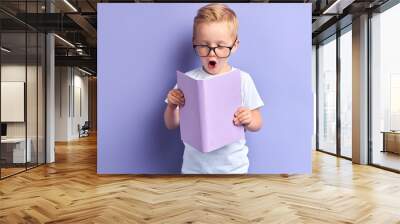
{"x": 216, "y": 12}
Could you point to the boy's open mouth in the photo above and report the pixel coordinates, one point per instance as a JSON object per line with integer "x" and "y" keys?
{"x": 212, "y": 64}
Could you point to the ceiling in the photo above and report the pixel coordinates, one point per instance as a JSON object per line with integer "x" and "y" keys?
{"x": 76, "y": 22}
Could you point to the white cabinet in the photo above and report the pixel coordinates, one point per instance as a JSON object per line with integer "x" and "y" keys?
{"x": 18, "y": 149}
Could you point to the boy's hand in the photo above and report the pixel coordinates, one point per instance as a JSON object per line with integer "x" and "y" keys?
{"x": 242, "y": 116}
{"x": 176, "y": 98}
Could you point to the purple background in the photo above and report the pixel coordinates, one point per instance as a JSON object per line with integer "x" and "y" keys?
{"x": 140, "y": 47}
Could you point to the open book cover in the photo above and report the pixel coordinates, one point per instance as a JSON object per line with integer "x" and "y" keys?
{"x": 206, "y": 119}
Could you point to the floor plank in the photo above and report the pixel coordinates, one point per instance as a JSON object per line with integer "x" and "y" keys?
{"x": 70, "y": 191}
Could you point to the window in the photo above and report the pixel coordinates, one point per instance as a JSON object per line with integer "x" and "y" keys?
{"x": 385, "y": 88}
{"x": 346, "y": 93}
{"x": 327, "y": 95}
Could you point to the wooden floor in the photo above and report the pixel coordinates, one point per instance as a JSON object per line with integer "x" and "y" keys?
{"x": 5, "y": 172}
{"x": 70, "y": 191}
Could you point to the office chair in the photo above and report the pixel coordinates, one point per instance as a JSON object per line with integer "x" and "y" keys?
{"x": 84, "y": 130}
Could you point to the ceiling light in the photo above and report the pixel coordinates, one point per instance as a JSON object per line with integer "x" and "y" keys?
{"x": 64, "y": 40}
{"x": 5, "y": 50}
{"x": 70, "y": 5}
{"x": 84, "y": 71}
{"x": 337, "y": 7}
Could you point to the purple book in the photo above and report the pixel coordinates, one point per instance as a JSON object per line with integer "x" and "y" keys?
{"x": 206, "y": 119}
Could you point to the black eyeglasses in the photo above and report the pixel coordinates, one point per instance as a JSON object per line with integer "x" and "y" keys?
{"x": 220, "y": 51}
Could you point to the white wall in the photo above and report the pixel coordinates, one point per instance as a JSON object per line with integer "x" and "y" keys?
{"x": 79, "y": 117}
{"x": 33, "y": 127}
{"x": 70, "y": 83}
{"x": 15, "y": 72}
{"x": 62, "y": 81}
{"x": 12, "y": 73}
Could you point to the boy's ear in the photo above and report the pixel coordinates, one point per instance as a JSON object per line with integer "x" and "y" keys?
{"x": 235, "y": 46}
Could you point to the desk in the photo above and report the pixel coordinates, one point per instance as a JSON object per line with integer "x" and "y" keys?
{"x": 391, "y": 141}
{"x": 13, "y": 150}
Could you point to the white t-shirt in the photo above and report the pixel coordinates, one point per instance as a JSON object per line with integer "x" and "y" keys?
{"x": 231, "y": 158}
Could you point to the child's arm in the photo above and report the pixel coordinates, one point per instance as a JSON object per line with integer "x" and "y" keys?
{"x": 250, "y": 119}
{"x": 171, "y": 113}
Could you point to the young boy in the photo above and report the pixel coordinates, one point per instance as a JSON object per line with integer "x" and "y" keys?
{"x": 215, "y": 37}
